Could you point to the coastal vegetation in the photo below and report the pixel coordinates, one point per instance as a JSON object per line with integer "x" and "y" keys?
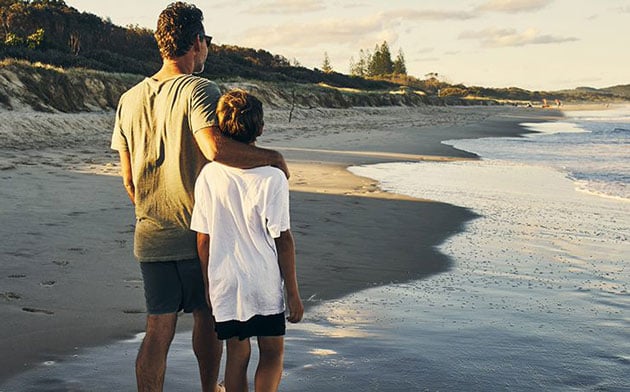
{"x": 54, "y": 50}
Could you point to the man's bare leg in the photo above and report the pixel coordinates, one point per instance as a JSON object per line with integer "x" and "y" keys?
{"x": 208, "y": 349}
{"x": 151, "y": 360}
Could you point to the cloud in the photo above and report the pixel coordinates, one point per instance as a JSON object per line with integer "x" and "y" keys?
{"x": 360, "y": 32}
{"x": 411, "y": 14}
{"x": 363, "y": 32}
{"x": 315, "y": 33}
{"x": 355, "y": 5}
{"x": 427, "y": 59}
{"x": 288, "y": 7}
{"x": 513, "y": 6}
{"x": 509, "y": 37}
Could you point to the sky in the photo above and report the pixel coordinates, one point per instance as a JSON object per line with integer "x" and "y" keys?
{"x": 531, "y": 44}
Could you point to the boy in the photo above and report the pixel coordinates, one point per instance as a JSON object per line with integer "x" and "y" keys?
{"x": 246, "y": 249}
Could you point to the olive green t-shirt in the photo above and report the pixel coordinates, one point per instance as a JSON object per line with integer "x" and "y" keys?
{"x": 156, "y": 122}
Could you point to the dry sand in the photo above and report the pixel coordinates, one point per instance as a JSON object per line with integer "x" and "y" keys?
{"x": 67, "y": 276}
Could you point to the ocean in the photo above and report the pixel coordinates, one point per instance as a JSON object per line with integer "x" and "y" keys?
{"x": 538, "y": 295}
{"x": 536, "y": 298}
{"x": 591, "y": 147}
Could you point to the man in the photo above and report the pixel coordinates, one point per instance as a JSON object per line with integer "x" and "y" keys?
{"x": 165, "y": 132}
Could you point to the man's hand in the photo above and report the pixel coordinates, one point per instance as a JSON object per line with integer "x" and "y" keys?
{"x": 127, "y": 176}
{"x": 282, "y": 165}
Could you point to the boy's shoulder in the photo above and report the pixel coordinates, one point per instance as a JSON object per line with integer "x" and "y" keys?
{"x": 268, "y": 171}
{"x": 271, "y": 172}
{"x": 263, "y": 175}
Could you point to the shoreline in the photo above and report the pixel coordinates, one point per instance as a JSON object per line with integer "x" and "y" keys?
{"x": 345, "y": 227}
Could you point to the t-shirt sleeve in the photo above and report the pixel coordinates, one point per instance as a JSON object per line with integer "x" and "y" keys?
{"x": 277, "y": 206}
{"x": 119, "y": 141}
{"x": 203, "y": 105}
{"x": 199, "y": 220}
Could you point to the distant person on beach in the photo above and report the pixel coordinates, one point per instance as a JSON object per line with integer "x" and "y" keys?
{"x": 165, "y": 132}
{"x": 247, "y": 251}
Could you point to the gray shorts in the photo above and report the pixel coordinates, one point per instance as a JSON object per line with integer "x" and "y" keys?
{"x": 171, "y": 286}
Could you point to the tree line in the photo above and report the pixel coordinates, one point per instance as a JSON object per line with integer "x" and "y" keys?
{"x": 377, "y": 63}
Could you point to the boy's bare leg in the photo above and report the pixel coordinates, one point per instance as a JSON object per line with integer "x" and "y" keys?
{"x": 238, "y": 353}
{"x": 151, "y": 360}
{"x": 208, "y": 349}
{"x": 269, "y": 370}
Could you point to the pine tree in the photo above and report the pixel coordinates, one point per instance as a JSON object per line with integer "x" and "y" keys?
{"x": 380, "y": 63}
{"x": 386, "y": 66}
{"x": 399, "y": 66}
{"x": 359, "y": 68}
{"x": 374, "y": 60}
{"x": 326, "y": 66}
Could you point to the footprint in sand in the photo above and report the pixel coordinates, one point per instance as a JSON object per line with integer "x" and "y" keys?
{"x": 79, "y": 250}
{"x": 48, "y": 283}
{"x": 133, "y": 311}
{"x": 61, "y": 263}
{"x": 20, "y": 253}
{"x": 16, "y": 276}
{"x": 35, "y": 310}
{"x": 54, "y": 224}
{"x": 133, "y": 282}
{"x": 10, "y": 296}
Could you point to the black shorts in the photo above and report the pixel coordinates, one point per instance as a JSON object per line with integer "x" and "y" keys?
{"x": 171, "y": 286}
{"x": 273, "y": 325}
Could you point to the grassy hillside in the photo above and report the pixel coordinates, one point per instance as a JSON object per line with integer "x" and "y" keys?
{"x": 47, "y": 88}
{"x": 41, "y": 87}
{"x": 619, "y": 91}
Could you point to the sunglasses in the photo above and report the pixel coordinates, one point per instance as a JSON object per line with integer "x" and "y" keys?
{"x": 208, "y": 40}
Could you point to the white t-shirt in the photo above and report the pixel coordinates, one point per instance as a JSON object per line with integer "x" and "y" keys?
{"x": 242, "y": 211}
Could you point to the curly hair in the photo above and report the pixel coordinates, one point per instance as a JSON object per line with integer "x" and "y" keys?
{"x": 178, "y": 27}
{"x": 240, "y": 116}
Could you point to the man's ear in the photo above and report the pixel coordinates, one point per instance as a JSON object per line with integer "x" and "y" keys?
{"x": 197, "y": 43}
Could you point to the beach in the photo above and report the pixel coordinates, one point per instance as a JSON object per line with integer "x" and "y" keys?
{"x": 391, "y": 280}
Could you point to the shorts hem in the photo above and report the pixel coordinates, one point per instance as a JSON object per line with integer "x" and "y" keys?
{"x": 259, "y": 325}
